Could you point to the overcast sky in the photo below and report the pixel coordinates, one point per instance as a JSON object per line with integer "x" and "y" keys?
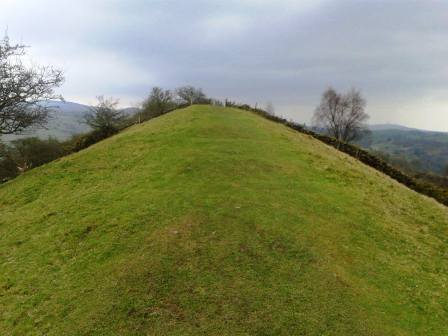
{"x": 252, "y": 51}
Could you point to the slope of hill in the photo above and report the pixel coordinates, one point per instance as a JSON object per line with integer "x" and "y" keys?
{"x": 214, "y": 221}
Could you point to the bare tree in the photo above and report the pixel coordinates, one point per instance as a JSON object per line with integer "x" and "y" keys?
{"x": 105, "y": 116}
{"x": 270, "y": 108}
{"x": 190, "y": 95}
{"x": 342, "y": 115}
{"x": 22, "y": 89}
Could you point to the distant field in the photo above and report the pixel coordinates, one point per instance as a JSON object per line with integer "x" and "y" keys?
{"x": 214, "y": 221}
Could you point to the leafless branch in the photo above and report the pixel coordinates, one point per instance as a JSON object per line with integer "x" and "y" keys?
{"x": 22, "y": 90}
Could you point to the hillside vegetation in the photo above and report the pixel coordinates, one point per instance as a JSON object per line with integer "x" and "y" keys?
{"x": 215, "y": 221}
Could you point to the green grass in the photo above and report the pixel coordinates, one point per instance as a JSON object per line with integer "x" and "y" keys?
{"x": 213, "y": 221}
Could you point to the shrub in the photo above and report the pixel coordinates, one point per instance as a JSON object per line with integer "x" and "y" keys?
{"x": 8, "y": 168}
{"x": 158, "y": 102}
{"x": 86, "y": 140}
{"x": 191, "y": 95}
{"x": 32, "y": 152}
{"x": 104, "y": 116}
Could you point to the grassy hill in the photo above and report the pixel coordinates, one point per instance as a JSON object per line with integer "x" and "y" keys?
{"x": 214, "y": 221}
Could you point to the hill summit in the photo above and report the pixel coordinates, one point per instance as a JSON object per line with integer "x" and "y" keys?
{"x": 215, "y": 221}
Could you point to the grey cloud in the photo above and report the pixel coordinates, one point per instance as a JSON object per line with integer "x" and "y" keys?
{"x": 249, "y": 50}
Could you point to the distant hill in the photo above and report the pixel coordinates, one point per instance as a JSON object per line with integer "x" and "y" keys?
{"x": 130, "y": 110}
{"x": 215, "y": 221}
{"x": 383, "y": 127}
{"x": 425, "y": 151}
{"x": 66, "y": 120}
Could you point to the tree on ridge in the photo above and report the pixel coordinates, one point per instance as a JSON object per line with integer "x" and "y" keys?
{"x": 343, "y": 116}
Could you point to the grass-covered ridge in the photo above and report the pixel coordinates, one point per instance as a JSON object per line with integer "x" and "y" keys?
{"x": 216, "y": 221}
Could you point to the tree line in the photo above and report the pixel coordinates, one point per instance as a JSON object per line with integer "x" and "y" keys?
{"x": 105, "y": 119}
{"x": 23, "y": 89}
